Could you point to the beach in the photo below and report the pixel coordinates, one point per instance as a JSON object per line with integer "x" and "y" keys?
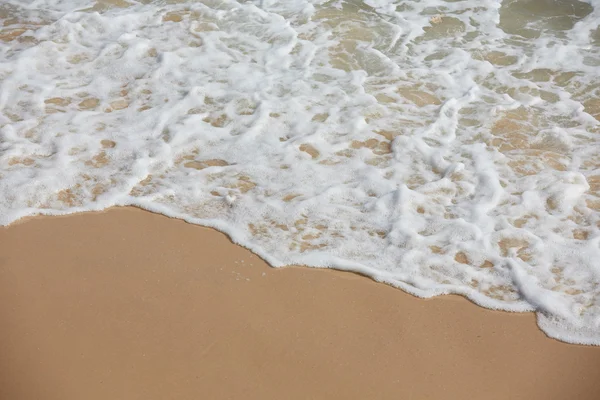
{"x": 126, "y": 304}
{"x": 299, "y": 199}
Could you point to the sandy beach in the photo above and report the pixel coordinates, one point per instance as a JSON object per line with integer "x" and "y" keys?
{"x": 126, "y": 304}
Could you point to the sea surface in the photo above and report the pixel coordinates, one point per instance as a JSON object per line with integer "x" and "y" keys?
{"x": 437, "y": 146}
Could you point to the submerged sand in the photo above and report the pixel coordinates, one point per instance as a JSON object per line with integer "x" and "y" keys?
{"x": 126, "y": 304}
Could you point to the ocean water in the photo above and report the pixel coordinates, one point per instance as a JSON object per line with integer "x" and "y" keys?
{"x": 437, "y": 146}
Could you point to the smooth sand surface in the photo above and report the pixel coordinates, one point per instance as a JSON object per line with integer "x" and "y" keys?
{"x": 126, "y": 304}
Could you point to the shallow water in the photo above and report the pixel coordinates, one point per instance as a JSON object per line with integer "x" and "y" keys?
{"x": 438, "y": 146}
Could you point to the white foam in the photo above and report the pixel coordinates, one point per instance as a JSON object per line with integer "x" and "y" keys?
{"x": 439, "y": 147}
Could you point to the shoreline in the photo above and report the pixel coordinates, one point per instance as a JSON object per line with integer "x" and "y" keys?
{"x": 125, "y": 303}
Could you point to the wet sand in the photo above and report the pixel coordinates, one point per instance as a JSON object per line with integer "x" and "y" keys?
{"x": 126, "y": 304}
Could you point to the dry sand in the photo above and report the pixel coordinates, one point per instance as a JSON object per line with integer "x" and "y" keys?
{"x": 126, "y": 304}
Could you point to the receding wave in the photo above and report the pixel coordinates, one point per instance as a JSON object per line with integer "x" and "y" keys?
{"x": 437, "y": 146}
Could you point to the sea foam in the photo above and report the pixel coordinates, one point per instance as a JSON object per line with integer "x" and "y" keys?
{"x": 437, "y": 146}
